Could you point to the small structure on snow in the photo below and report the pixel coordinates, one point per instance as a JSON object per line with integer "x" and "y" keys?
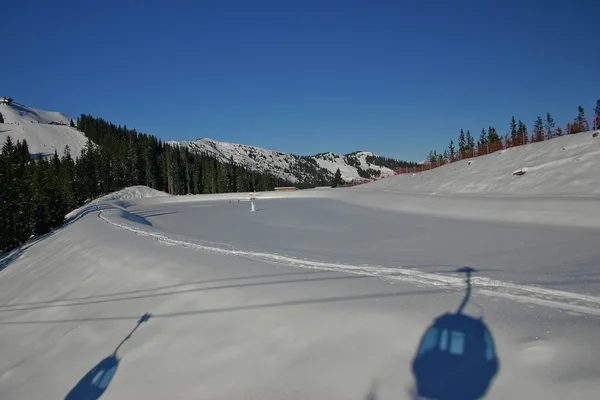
{"x": 520, "y": 172}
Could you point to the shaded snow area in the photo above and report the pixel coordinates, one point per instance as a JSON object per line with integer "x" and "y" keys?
{"x": 120, "y": 198}
{"x": 311, "y": 296}
{"x": 41, "y": 129}
{"x": 284, "y": 165}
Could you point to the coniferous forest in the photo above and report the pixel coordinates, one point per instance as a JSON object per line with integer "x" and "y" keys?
{"x": 38, "y": 192}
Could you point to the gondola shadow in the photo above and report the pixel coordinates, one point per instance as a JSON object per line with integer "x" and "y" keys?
{"x": 456, "y": 358}
{"x": 94, "y": 383}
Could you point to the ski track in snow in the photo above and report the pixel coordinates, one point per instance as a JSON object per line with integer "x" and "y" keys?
{"x": 563, "y": 300}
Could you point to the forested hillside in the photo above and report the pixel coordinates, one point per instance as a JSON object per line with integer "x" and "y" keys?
{"x": 37, "y": 191}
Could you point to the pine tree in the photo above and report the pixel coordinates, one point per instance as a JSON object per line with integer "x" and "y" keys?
{"x": 513, "y": 129}
{"x": 597, "y": 115}
{"x": 522, "y": 133}
{"x": 72, "y": 124}
{"x": 462, "y": 144}
{"x": 1, "y": 119}
{"x": 581, "y": 124}
{"x": 559, "y": 132}
{"x": 470, "y": 141}
{"x": 549, "y": 125}
{"x": 538, "y": 130}
{"x": 451, "y": 150}
{"x": 337, "y": 179}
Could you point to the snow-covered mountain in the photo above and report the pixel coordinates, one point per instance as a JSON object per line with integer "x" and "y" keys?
{"x": 353, "y": 166}
{"x": 45, "y": 131}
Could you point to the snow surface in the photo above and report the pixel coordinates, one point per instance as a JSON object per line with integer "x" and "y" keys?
{"x": 23, "y": 122}
{"x": 317, "y": 294}
{"x": 565, "y": 166}
{"x": 283, "y": 165}
{"x": 305, "y": 298}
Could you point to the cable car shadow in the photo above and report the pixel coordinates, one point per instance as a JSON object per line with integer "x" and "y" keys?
{"x": 94, "y": 383}
{"x": 456, "y": 358}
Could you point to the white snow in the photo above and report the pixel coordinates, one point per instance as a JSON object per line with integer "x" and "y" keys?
{"x": 332, "y": 162}
{"x": 23, "y": 122}
{"x": 320, "y": 293}
{"x": 565, "y": 166}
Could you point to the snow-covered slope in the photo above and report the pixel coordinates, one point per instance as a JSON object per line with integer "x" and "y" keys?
{"x": 45, "y": 131}
{"x": 350, "y": 164}
{"x": 565, "y": 166}
{"x": 289, "y": 166}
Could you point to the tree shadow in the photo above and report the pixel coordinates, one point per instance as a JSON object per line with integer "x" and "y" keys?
{"x": 94, "y": 383}
{"x": 456, "y": 359}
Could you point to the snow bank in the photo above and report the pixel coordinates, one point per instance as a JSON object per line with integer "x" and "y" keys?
{"x": 565, "y": 166}
{"x": 120, "y": 198}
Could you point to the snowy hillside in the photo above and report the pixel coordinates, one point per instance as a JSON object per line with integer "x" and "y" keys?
{"x": 45, "y": 131}
{"x": 565, "y": 166}
{"x": 289, "y": 166}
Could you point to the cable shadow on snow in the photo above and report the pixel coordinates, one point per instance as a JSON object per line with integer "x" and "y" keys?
{"x": 94, "y": 383}
{"x": 250, "y": 307}
{"x": 8, "y": 308}
{"x": 160, "y": 288}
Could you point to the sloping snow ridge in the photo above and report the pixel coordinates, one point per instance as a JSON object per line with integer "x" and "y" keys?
{"x": 120, "y": 198}
{"x": 564, "y": 166}
{"x": 45, "y": 131}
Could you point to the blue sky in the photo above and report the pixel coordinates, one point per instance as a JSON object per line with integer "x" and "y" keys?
{"x": 394, "y": 77}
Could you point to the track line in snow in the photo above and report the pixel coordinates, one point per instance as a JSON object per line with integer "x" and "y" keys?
{"x": 569, "y": 301}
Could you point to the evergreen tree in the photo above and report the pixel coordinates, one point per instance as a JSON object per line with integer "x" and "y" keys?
{"x": 337, "y": 179}
{"x": 538, "y": 130}
{"x": 581, "y": 124}
{"x": 470, "y": 141}
{"x": 493, "y": 136}
{"x": 549, "y": 125}
{"x": 451, "y": 150}
{"x": 483, "y": 138}
{"x": 597, "y": 115}
{"x": 559, "y": 132}
{"x": 1, "y": 119}
{"x": 462, "y": 144}
{"x": 522, "y": 133}
{"x": 72, "y": 124}
{"x": 513, "y": 128}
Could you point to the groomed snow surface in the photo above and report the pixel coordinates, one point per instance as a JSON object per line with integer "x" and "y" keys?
{"x": 320, "y": 294}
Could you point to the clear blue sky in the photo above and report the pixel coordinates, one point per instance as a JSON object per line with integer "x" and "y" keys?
{"x": 394, "y": 77}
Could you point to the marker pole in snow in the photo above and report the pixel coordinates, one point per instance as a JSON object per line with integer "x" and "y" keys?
{"x": 252, "y": 208}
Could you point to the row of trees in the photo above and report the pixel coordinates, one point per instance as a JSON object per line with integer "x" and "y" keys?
{"x": 490, "y": 141}
{"x": 37, "y": 192}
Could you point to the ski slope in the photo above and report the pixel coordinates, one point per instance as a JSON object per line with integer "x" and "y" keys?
{"x": 318, "y": 294}
{"x": 43, "y": 138}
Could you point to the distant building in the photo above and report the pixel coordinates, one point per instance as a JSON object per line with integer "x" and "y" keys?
{"x": 286, "y": 188}
{"x": 5, "y": 100}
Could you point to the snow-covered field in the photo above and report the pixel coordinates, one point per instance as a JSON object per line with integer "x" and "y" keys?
{"x": 320, "y": 294}
{"x": 23, "y": 122}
